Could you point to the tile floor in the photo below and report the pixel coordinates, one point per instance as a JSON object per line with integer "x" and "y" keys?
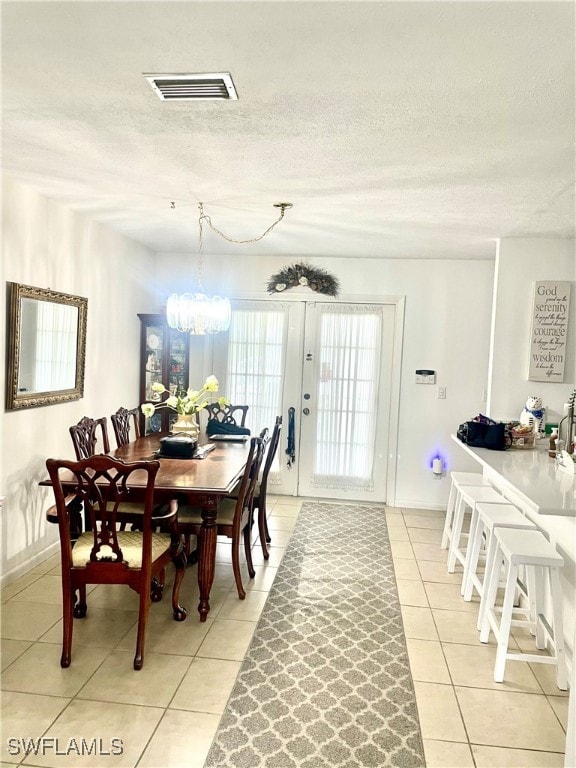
{"x": 466, "y": 718}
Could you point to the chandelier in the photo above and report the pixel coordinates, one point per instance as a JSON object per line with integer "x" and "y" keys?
{"x": 196, "y": 313}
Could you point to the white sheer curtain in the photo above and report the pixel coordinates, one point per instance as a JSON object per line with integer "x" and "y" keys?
{"x": 55, "y": 340}
{"x": 348, "y": 349}
{"x": 256, "y": 363}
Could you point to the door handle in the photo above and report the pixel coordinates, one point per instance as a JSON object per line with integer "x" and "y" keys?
{"x": 305, "y": 411}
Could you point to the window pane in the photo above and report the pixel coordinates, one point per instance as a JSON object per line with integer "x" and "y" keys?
{"x": 346, "y": 416}
{"x": 255, "y": 364}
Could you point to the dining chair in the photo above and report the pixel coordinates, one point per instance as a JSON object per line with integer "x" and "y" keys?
{"x": 228, "y": 414}
{"x": 85, "y": 440}
{"x": 124, "y": 422}
{"x": 85, "y": 437}
{"x": 105, "y": 555}
{"x": 259, "y": 497}
{"x": 259, "y": 500}
{"x": 234, "y": 518}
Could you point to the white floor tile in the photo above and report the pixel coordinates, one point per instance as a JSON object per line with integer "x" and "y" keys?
{"x": 190, "y": 667}
{"x": 206, "y": 686}
{"x": 153, "y": 685}
{"x": 168, "y": 747}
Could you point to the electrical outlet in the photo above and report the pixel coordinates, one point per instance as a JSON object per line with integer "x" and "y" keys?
{"x": 441, "y": 393}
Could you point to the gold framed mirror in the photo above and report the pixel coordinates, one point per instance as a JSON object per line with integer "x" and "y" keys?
{"x": 46, "y": 346}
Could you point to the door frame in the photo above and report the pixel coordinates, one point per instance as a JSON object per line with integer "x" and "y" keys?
{"x": 304, "y": 294}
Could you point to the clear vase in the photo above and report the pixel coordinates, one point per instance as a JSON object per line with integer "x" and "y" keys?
{"x": 186, "y": 424}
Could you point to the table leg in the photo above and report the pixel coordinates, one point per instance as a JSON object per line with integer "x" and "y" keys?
{"x": 207, "y": 558}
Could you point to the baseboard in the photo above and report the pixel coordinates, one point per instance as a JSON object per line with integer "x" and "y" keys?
{"x": 27, "y": 565}
{"x": 412, "y": 504}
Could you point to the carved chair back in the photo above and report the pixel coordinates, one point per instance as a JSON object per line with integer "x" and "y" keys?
{"x": 259, "y": 501}
{"x": 123, "y": 421}
{"x": 85, "y": 437}
{"x": 228, "y": 414}
{"x": 272, "y": 450}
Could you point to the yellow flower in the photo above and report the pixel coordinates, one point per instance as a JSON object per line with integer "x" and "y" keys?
{"x": 158, "y": 387}
{"x": 147, "y": 409}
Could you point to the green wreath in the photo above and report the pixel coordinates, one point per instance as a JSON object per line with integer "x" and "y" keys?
{"x": 303, "y": 274}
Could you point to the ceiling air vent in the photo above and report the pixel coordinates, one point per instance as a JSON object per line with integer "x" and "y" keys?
{"x": 204, "y": 87}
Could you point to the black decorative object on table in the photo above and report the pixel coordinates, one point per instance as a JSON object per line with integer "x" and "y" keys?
{"x": 303, "y": 274}
{"x": 178, "y": 447}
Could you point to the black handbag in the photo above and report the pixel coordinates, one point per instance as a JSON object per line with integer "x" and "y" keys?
{"x": 478, "y": 434}
{"x": 215, "y": 427}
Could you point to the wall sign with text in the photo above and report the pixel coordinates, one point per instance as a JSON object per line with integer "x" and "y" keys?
{"x": 548, "y": 338}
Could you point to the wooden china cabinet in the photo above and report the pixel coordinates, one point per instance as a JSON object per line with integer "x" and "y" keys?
{"x": 164, "y": 359}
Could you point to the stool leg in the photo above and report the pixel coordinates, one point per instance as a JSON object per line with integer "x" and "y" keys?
{"x": 558, "y": 629}
{"x": 490, "y": 557}
{"x": 521, "y": 576}
{"x": 456, "y": 533}
{"x": 449, "y": 516}
{"x": 472, "y": 556}
{"x": 530, "y": 578}
{"x": 539, "y": 608}
{"x": 505, "y": 624}
{"x": 490, "y": 590}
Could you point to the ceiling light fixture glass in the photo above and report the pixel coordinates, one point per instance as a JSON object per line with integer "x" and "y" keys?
{"x": 197, "y": 313}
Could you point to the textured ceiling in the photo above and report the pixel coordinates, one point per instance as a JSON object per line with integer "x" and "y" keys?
{"x": 397, "y": 129}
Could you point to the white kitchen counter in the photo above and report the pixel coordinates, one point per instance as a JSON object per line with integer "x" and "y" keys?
{"x": 528, "y": 477}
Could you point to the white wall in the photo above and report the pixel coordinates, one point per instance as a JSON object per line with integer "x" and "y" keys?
{"x": 446, "y": 328}
{"x": 520, "y": 262}
{"x": 47, "y": 245}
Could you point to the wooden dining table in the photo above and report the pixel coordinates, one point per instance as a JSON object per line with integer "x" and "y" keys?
{"x": 203, "y": 482}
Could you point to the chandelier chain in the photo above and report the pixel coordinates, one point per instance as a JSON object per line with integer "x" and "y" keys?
{"x": 200, "y": 245}
{"x": 205, "y": 217}
{"x": 196, "y": 313}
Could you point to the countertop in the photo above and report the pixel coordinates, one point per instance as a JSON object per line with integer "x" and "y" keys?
{"x": 531, "y": 475}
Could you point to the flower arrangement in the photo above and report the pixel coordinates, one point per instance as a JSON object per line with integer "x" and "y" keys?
{"x": 303, "y": 274}
{"x": 185, "y": 402}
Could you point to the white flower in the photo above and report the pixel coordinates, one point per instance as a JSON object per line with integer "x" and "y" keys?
{"x": 280, "y": 286}
{"x": 186, "y": 402}
{"x": 303, "y": 280}
{"x": 211, "y": 384}
{"x": 147, "y": 409}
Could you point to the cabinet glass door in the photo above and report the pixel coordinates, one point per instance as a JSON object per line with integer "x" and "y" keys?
{"x": 177, "y": 362}
{"x": 164, "y": 360}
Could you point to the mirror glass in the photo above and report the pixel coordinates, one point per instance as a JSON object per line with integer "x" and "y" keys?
{"x": 46, "y": 346}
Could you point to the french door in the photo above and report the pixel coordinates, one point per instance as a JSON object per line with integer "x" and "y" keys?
{"x": 326, "y": 367}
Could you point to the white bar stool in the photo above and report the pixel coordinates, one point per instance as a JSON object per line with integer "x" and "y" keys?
{"x": 489, "y": 517}
{"x": 468, "y": 497}
{"x": 516, "y": 548}
{"x": 458, "y": 479}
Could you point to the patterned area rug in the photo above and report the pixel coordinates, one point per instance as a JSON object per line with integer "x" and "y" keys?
{"x": 326, "y": 681}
